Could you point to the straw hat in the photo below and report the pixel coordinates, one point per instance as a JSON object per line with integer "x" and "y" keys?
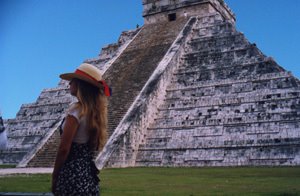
{"x": 90, "y": 74}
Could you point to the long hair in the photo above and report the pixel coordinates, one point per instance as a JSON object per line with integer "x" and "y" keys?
{"x": 93, "y": 104}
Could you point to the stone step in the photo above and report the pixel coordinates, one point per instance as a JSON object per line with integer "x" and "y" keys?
{"x": 237, "y": 86}
{"x": 231, "y": 156}
{"x": 217, "y": 41}
{"x": 258, "y": 77}
{"x": 271, "y": 102}
{"x": 65, "y": 100}
{"x": 206, "y": 31}
{"x": 248, "y": 130}
{"x": 27, "y": 124}
{"x": 209, "y": 19}
{"x": 178, "y": 156}
{"x": 12, "y": 156}
{"x": 244, "y": 130}
{"x": 217, "y": 44}
{"x": 229, "y": 121}
{"x": 202, "y": 99}
{"x": 43, "y": 111}
{"x": 217, "y": 113}
{"x": 254, "y": 65}
{"x": 193, "y": 55}
{"x": 229, "y": 57}
{"x": 36, "y": 131}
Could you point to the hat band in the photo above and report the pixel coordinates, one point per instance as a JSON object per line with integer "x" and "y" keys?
{"x": 79, "y": 72}
{"x": 107, "y": 90}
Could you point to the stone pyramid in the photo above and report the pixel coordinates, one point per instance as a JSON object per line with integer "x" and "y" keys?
{"x": 188, "y": 90}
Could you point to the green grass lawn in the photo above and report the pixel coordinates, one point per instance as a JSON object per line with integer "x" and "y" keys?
{"x": 283, "y": 181}
{"x": 7, "y": 166}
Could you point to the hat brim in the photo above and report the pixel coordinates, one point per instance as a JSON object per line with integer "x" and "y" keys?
{"x": 70, "y": 76}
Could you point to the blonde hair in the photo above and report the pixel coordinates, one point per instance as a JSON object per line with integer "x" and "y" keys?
{"x": 93, "y": 104}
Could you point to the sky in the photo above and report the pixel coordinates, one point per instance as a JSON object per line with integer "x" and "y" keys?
{"x": 40, "y": 39}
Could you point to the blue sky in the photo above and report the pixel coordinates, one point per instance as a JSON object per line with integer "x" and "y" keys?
{"x": 39, "y": 39}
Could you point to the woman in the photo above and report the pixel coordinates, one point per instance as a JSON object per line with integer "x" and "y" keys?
{"x": 83, "y": 133}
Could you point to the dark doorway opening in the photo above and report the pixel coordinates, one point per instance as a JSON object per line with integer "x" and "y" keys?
{"x": 172, "y": 17}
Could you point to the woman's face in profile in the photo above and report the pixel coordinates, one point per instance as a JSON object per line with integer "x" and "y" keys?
{"x": 73, "y": 87}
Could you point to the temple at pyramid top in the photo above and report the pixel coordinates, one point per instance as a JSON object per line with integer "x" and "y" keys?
{"x": 169, "y": 10}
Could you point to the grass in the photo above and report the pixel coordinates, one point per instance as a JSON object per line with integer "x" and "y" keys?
{"x": 25, "y": 183}
{"x": 277, "y": 181}
{"x": 7, "y": 166}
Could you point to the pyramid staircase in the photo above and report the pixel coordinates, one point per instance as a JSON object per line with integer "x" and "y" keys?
{"x": 131, "y": 70}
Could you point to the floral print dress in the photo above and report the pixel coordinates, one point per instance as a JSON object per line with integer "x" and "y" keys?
{"x": 79, "y": 175}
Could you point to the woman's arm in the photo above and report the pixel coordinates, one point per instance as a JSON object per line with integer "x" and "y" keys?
{"x": 69, "y": 130}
